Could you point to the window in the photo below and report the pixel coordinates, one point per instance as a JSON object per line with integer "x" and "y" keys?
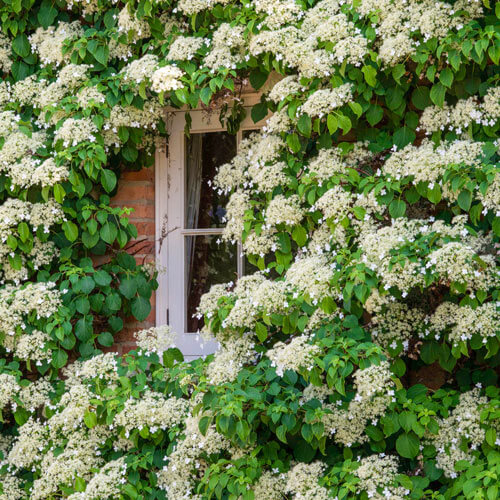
{"x": 189, "y": 216}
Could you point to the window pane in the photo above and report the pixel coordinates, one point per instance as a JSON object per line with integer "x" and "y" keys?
{"x": 205, "y": 152}
{"x": 207, "y": 263}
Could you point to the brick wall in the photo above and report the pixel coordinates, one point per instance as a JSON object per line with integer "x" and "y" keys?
{"x": 137, "y": 190}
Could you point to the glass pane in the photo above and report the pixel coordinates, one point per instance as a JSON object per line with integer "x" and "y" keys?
{"x": 205, "y": 152}
{"x": 207, "y": 263}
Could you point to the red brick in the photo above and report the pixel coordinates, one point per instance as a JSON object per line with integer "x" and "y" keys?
{"x": 132, "y": 191}
{"x": 145, "y": 228}
{"x": 145, "y": 174}
{"x": 142, "y": 211}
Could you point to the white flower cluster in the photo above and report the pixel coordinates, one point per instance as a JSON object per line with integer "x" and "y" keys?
{"x": 17, "y": 302}
{"x": 236, "y": 207}
{"x": 399, "y": 22}
{"x": 227, "y": 49}
{"x": 32, "y": 346}
{"x": 278, "y": 12}
{"x": 377, "y": 473}
{"x": 463, "y": 114}
{"x": 36, "y": 394}
{"x": 10, "y": 387}
{"x": 48, "y": 43}
{"x": 5, "y": 53}
{"x": 286, "y": 87}
{"x": 185, "y": 47}
{"x": 302, "y": 482}
{"x": 153, "y": 411}
{"x": 456, "y": 255}
{"x": 17, "y": 145}
{"x": 270, "y": 486}
{"x": 102, "y": 366}
{"x": 326, "y": 164}
{"x": 73, "y": 131}
{"x": 425, "y": 163}
{"x": 105, "y": 483}
{"x": 194, "y": 6}
{"x": 167, "y": 78}
{"x": 282, "y": 210}
{"x": 311, "y": 276}
{"x": 128, "y": 24}
{"x": 375, "y": 392}
{"x": 255, "y": 153}
{"x": 140, "y": 70}
{"x": 155, "y": 339}
{"x": 233, "y": 354}
{"x": 463, "y": 322}
{"x": 324, "y": 101}
{"x": 185, "y": 463}
{"x": 12, "y": 488}
{"x": 13, "y": 211}
{"x": 303, "y": 47}
{"x": 297, "y": 354}
{"x": 460, "y": 433}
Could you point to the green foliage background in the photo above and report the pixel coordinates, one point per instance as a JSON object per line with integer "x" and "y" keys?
{"x": 259, "y": 410}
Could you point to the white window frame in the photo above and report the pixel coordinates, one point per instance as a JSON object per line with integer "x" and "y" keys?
{"x": 170, "y": 216}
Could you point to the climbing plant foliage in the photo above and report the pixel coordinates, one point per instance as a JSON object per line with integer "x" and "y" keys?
{"x": 361, "y": 360}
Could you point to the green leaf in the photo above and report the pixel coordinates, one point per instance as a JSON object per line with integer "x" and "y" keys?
{"x": 437, "y": 94}
{"x": 332, "y": 123}
{"x": 203, "y": 424}
{"x": 398, "y": 71}
{"x": 102, "y": 278}
{"x": 101, "y": 54}
{"x": 59, "y": 193}
{"x": 261, "y": 331}
{"x": 140, "y": 308}
{"x": 84, "y": 328}
{"x": 397, "y": 208}
{"x": 108, "y": 232}
{"x": 407, "y": 445}
{"x": 259, "y": 112}
{"x": 434, "y": 195}
{"x": 90, "y": 240}
{"x": 370, "y": 74}
{"x": 21, "y": 45}
{"x": 356, "y": 108}
{"x": 464, "y": 200}
{"x": 421, "y": 98}
{"x": 113, "y": 302}
{"x": 299, "y": 235}
{"x": 293, "y": 142}
{"x": 86, "y": 284}
{"x": 446, "y": 77}
{"x": 206, "y": 95}
{"x": 496, "y": 226}
{"x": 47, "y": 14}
{"x": 403, "y": 136}
{"x": 70, "y": 230}
{"x": 90, "y": 419}
{"x": 105, "y": 339}
{"x": 345, "y": 123}
{"x": 128, "y": 287}
{"x": 108, "y": 180}
{"x": 305, "y": 125}
{"x": 24, "y": 231}
{"x": 59, "y": 358}
{"x": 374, "y": 114}
{"x": 258, "y": 78}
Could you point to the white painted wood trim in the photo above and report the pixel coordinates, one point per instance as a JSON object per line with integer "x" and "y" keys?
{"x": 169, "y": 223}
